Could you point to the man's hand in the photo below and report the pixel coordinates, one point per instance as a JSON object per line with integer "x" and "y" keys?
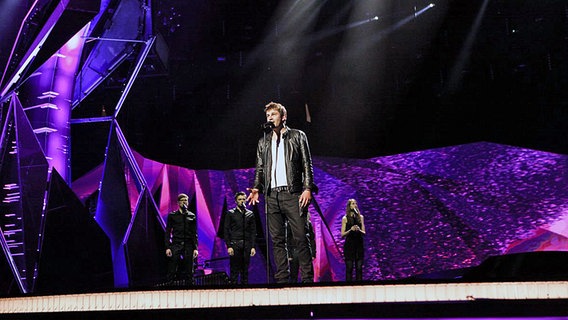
{"x": 252, "y": 199}
{"x": 230, "y": 251}
{"x": 168, "y": 252}
{"x": 195, "y": 253}
{"x": 305, "y": 198}
{"x": 252, "y": 252}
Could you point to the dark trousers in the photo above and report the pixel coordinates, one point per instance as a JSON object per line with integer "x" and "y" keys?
{"x": 180, "y": 264}
{"x": 284, "y": 206}
{"x": 239, "y": 262}
{"x": 349, "y": 264}
{"x": 294, "y": 264}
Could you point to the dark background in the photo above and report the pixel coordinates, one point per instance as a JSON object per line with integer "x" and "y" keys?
{"x": 372, "y": 90}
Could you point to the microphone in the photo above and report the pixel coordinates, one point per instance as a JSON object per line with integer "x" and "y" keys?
{"x": 184, "y": 207}
{"x": 267, "y": 126}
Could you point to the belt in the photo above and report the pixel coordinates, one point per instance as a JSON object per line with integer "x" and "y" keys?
{"x": 279, "y": 189}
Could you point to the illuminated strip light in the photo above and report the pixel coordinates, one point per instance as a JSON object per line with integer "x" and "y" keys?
{"x": 43, "y": 106}
{"x": 44, "y": 130}
{"x": 11, "y": 199}
{"x": 64, "y": 149}
{"x": 11, "y": 232}
{"x": 48, "y": 94}
{"x": 10, "y": 258}
{"x": 91, "y": 120}
{"x": 14, "y": 148}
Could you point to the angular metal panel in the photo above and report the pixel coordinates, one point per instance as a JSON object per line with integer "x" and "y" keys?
{"x": 144, "y": 243}
{"x": 75, "y": 253}
{"x": 113, "y": 207}
{"x": 23, "y": 177}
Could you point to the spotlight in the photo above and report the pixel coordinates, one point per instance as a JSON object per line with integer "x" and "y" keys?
{"x": 375, "y": 18}
{"x": 431, "y": 5}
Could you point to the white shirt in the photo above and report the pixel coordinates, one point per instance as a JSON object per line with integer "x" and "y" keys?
{"x": 278, "y": 170}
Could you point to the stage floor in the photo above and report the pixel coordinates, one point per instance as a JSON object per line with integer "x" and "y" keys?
{"x": 427, "y": 300}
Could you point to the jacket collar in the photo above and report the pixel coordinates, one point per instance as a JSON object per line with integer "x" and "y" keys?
{"x": 284, "y": 134}
{"x": 286, "y": 131}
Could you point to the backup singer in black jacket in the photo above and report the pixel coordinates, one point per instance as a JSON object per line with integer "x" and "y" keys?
{"x": 285, "y": 175}
{"x": 240, "y": 232}
{"x": 181, "y": 242}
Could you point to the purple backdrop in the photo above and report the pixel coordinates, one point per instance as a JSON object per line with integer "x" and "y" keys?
{"x": 425, "y": 211}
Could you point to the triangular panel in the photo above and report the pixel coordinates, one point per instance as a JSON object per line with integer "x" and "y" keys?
{"x": 76, "y": 253}
{"x": 145, "y": 246}
{"x": 113, "y": 208}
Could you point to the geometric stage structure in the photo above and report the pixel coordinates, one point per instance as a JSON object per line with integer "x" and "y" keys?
{"x": 36, "y": 141}
{"x": 24, "y": 176}
{"x": 50, "y": 241}
{"x": 426, "y": 211}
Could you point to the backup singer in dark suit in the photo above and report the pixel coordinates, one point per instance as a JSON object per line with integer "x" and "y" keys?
{"x": 239, "y": 233}
{"x": 285, "y": 175}
{"x": 181, "y": 242}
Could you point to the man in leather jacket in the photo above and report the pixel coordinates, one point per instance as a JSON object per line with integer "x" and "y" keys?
{"x": 285, "y": 175}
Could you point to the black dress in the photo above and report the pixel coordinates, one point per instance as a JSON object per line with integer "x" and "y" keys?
{"x": 353, "y": 246}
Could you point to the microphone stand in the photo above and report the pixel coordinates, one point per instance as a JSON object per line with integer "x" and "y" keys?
{"x": 183, "y": 217}
{"x": 244, "y": 265}
{"x": 266, "y": 231}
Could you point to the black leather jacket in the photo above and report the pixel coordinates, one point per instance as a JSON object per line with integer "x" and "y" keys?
{"x": 299, "y": 171}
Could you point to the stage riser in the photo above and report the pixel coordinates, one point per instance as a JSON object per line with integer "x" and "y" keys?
{"x": 285, "y": 296}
